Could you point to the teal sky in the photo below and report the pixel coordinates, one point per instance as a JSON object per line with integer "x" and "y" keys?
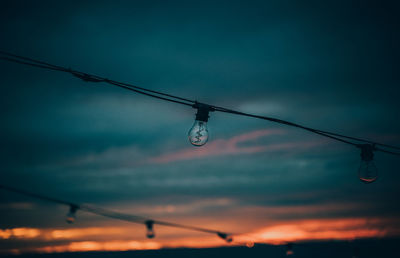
{"x": 329, "y": 65}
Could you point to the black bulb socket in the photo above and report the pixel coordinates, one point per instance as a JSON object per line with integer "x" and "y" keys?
{"x": 149, "y": 224}
{"x": 73, "y": 208}
{"x": 203, "y": 111}
{"x": 367, "y": 152}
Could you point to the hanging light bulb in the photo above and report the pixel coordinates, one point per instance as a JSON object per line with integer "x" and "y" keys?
{"x": 198, "y": 134}
{"x": 250, "y": 244}
{"x": 289, "y": 249}
{"x": 367, "y": 172}
{"x": 150, "y": 231}
{"x": 228, "y": 238}
{"x": 71, "y": 215}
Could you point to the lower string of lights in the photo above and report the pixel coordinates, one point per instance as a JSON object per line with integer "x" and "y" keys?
{"x": 148, "y": 223}
{"x": 198, "y": 134}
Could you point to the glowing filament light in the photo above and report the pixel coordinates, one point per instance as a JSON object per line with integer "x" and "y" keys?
{"x": 367, "y": 172}
{"x": 150, "y": 231}
{"x": 198, "y": 134}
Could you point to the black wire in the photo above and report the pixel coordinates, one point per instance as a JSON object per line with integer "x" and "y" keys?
{"x": 91, "y": 78}
{"x": 359, "y": 139}
{"x": 147, "y": 94}
{"x": 37, "y": 196}
{"x": 320, "y": 132}
{"x": 188, "y": 102}
{"x": 30, "y": 64}
{"x": 386, "y": 151}
{"x": 34, "y": 61}
{"x": 156, "y": 92}
{"x": 221, "y": 109}
{"x": 59, "y": 68}
{"x": 110, "y": 214}
{"x": 283, "y": 122}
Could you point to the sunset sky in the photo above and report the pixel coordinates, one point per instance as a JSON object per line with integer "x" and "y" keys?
{"x": 332, "y": 65}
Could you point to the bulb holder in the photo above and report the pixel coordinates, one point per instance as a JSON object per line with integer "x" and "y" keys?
{"x": 203, "y": 111}
{"x": 149, "y": 224}
{"x": 73, "y": 208}
{"x": 367, "y": 152}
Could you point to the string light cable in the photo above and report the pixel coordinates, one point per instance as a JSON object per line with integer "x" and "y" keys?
{"x": 198, "y": 134}
{"x": 148, "y": 222}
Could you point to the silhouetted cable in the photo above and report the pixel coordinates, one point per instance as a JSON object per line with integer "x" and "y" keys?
{"x": 283, "y": 122}
{"x": 126, "y": 86}
{"x": 35, "y": 195}
{"x": 188, "y": 102}
{"x": 30, "y": 64}
{"x": 359, "y": 139}
{"x": 386, "y": 151}
{"x": 55, "y": 67}
{"x": 98, "y": 78}
{"x": 115, "y": 215}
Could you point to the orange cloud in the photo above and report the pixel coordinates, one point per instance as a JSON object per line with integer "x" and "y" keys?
{"x": 86, "y": 246}
{"x": 83, "y": 232}
{"x": 19, "y": 233}
{"x": 318, "y": 229}
{"x": 278, "y": 233}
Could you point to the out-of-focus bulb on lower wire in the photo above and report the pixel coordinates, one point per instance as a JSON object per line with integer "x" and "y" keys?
{"x": 227, "y": 237}
{"x": 150, "y": 231}
{"x": 367, "y": 171}
{"x": 198, "y": 134}
{"x": 289, "y": 249}
{"x": 71, "y": 215}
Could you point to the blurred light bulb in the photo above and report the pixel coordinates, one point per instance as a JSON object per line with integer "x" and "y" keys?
{"x": 289, "y": 249}
{"x": 150, "y": 231}
{"x": 198, "y": 134}
{"x": 228, "y": 238}
{"x": 71, "y": 216}
{"x": 367, "y": 172}
{"x": 250, "y": 244}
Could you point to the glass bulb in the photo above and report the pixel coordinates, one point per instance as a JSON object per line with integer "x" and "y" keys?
{"x": 150, "y": 231}
{"x": 289, "y": 249}
{"x": 367, "y": 172}
{"x": 228, "y": 238}
{"x": 71, "y": 216}
{"x": 198, "y": 134}
{"x": 250, "y": 244}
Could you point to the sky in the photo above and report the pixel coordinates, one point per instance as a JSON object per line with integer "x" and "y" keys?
{"x": 331, "y": 65}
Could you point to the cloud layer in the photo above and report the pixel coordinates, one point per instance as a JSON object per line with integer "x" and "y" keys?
{"x": 326, "y": 64}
